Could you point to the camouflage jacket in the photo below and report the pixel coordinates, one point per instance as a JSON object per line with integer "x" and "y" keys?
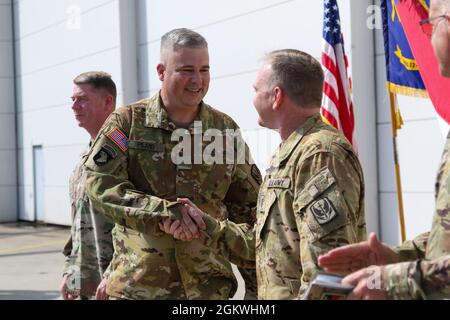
{"x": 134, "y": 179}
{"x": 311, "y": 200}
{"x": 430, "y": 278}
{"x": 89, "y": 248}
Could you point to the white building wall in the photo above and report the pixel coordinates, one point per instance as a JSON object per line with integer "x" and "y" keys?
{"x": 420, "y": 144}
{"x": 8, "y": 170}
{"x": 55, "y": 41}
{"x": 364, "y": 91}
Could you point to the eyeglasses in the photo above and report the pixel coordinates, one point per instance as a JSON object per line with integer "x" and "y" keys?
{"x": 427, "y": 26}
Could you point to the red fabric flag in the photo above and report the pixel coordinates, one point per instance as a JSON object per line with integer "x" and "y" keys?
{"x": 438, "y": 87}
{"x": 337, "y": 105}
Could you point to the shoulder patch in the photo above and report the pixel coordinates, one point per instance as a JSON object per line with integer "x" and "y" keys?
{"x": 256, "y": 174}
{"x": 119, "y": 139}
{"x": 105, "y": 154}
{"x": 323, "y": 211}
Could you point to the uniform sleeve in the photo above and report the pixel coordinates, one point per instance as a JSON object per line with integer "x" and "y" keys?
{"x": 67, "y": 250}
{"x": 234, "y": 238}
{"x": 110, "y": 190}
{"x": 413, "y": 249}
{"x": 420, "y": 279}
{"x": 328, "y": 207}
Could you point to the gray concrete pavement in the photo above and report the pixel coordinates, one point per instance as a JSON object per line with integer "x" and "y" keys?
{"x": 31, "y": 261}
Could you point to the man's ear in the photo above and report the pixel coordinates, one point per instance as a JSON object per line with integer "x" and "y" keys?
{"x": 278, "y": 98}
{"x": 109, "y": 102}
{"x": 160, "y": 69}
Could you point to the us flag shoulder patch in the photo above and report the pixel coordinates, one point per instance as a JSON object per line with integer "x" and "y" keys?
{"x": 119, "y": 139}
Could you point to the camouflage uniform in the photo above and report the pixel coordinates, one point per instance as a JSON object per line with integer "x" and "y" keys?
{"x": 89, "y": 248}
{"x": 311, "y": 200}
{"x": 133, "y": 180}
{"x": 429, "y": 278}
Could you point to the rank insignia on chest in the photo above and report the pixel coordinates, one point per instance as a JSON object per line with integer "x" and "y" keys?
{"x": 105, "y": 154}
{"x": 323, "y": 211}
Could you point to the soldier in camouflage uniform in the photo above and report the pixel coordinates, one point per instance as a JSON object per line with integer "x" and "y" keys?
{"x": 136, "y": 173}
{"x": 89, "y": 248}
{"x": 312, "y": 197}
{"x": 418, "y": 269}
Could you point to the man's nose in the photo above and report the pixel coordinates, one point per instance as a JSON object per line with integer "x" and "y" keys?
{"x": 196, "y": 77}
{"x": 75, "y": 105}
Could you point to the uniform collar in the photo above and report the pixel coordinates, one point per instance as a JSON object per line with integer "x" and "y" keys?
{"x": 157, "y": 117}
{"x": 286, "y": 148}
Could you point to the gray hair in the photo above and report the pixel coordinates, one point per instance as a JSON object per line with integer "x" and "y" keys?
{"x": 298, "y": 74}
{"x": 98, "y": 80}
{"x": 181, "y": 38}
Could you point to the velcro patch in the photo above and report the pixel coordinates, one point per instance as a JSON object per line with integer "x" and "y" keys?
{"x": 150, "y": 146}
{"x": 279, "y": 183}
{"x": 119, "y": 139}
{"x": 323, "y": 211}
{"x": 105, "y": 154}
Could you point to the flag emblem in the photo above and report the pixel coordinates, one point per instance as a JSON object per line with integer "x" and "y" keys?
{"x": 337, "y": 106}
{"x": 119, "y": 139}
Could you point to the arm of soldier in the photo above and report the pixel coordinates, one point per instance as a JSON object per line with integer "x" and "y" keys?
{"x": 353, "y": 257}
{"x": 67, "y": 251}
{"x": 234, "y": 238}
{"x": 67, "y": 263}
{"x": 241, "y": 201}
{"x": 113, "y": 194}
{"x": 328, "y": 200}
{"x": 413, "y": 249}
{"x": 231, "y": 240}
{"x": 420, "y": 279}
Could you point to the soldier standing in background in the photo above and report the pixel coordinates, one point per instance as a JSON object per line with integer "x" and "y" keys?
{"x": 89, "y": 248}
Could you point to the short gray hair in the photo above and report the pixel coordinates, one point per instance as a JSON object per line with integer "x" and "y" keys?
{"x": 182, "y": 38}
{"x": 298, "y": 74}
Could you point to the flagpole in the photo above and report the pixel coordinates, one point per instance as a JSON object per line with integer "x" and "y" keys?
{"x": 397, "y": 167}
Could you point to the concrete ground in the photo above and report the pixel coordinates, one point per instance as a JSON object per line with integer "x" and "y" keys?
{"x": 31, "y": 261}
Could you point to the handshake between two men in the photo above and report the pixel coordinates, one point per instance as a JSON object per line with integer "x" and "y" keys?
{"x": 189, "y": 226}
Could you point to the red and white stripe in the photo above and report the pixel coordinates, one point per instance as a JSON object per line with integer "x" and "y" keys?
{"x": 337, "y": 106}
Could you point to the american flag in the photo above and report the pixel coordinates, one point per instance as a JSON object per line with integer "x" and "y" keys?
{"x": 119, "y": 138}
{"x": 337, "y": 107}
